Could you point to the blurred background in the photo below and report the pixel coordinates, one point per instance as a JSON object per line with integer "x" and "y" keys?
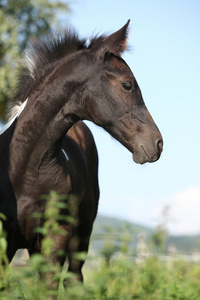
{"x": 164, "y": 42}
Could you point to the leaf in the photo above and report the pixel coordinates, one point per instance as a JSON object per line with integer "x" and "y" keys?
{"x": 3, "y": 244}
{"x": 80, "y": 256}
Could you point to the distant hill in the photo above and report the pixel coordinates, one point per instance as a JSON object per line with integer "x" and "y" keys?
{"x": 114, "y": 229}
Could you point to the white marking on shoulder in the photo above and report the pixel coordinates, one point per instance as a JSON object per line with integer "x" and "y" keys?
{"x": 17, "y": 109}
{"x": 65, "y": 154}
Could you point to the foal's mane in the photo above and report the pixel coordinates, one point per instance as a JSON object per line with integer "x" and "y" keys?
{"x": 43, "y": 55}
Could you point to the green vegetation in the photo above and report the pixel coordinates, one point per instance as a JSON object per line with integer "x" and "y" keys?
{"x": 113, "y": 273}
{"x": 152, "y": 279}
{"x": 19, "y": 21}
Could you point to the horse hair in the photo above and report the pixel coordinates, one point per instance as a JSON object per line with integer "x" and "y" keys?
{"x": 41, "y": 56}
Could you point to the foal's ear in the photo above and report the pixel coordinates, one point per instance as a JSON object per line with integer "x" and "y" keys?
{"x": 114, "y": 43}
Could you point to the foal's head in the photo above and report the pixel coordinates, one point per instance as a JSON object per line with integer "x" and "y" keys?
{"x": 114, "y": 100}
{"x": 94, "y": 83}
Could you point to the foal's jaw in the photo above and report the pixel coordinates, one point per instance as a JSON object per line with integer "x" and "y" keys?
{"x": 145, "y": 147}
{"x": 139, "y": 135}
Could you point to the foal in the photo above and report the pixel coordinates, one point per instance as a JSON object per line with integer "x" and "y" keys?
{"x": 63, "y": 82}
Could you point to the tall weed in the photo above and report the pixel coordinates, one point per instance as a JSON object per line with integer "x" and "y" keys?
{"x": 117, "y": 275}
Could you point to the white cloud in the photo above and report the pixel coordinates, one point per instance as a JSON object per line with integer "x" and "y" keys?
{"x": 184, "y": 210}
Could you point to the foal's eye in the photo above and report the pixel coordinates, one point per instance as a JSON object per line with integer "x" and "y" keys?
{"x": 127, "y": 85}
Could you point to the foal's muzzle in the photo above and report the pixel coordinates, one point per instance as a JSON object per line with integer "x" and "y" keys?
{"x": 148, "y": 151}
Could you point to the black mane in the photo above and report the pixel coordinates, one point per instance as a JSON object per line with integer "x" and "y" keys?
{"x": 42, "y": 55}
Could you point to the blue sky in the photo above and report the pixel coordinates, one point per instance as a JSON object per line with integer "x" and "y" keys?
{"x": 165, "y": 59}
{"x": 165, "y": 43}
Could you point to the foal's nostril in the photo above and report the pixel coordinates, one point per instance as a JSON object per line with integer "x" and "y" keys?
{"x": 160, "y": 145}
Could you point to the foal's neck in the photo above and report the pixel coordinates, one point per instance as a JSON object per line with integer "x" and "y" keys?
{"x": 51, "y": 111}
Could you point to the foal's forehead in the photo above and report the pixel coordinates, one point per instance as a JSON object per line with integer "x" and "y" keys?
{"x": 118, "y": 64}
